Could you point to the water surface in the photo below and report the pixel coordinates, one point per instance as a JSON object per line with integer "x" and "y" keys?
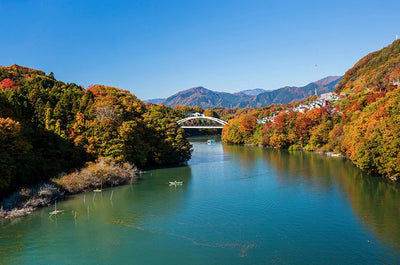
{"x": 238, "y": 205}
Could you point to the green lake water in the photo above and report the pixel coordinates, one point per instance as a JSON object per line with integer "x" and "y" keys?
{"x": 238, "y": 205}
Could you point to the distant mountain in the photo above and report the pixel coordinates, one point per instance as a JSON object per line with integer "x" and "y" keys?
{"x": 252, "y": 92}
{"x": 327, "y": 80}
{"x": 205, "y": 98}
{"x": 288, "y": 94}
{"x": 155, "y": 100}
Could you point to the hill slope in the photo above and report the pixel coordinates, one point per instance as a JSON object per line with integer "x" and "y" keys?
{"x": 378, "y": 70}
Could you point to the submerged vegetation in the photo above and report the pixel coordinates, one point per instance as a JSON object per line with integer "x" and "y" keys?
{"x": 105, "y": 172}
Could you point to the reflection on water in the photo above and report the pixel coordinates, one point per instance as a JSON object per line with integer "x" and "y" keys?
{"x": 238, "y": 205}
{"x": 375, "y": 201}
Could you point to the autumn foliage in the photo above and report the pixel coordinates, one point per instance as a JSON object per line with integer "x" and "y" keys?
{"x": 48, "y": 127}
{"x": 105, "y": 172}
{"x": 364, "y": 125}
{"x": 7, "y": 83}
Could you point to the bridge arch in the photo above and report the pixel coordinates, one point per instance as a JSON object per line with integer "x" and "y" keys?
{"x": 201, "y": 122}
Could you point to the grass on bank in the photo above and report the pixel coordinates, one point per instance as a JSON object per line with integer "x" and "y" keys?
{"x": 104, "y": 172}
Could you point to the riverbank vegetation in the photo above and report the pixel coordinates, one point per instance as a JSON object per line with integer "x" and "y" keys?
{"x": 364, "y": 126}
{"x": 48, "y": 127}
{"x": 105, "y": 172}
{"x": 26, "y": 200}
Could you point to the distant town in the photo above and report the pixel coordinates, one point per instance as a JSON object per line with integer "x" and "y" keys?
{"x": 322, "y": 101}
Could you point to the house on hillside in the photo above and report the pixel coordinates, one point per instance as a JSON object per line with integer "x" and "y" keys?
{"x": 197, "y": 114}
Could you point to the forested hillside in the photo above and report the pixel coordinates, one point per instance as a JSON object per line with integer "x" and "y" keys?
{"x": 377, "y": 71}
{"x": 364, "y": 126}
{"x": 48, "y": 127}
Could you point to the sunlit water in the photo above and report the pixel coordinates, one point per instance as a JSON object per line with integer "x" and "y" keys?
{"x": 238, "y": 205}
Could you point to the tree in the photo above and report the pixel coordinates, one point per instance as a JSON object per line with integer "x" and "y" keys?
{"x": 211, "y": 113}
{"x": 7, "y": 83}
{"x": 13, "y": 149}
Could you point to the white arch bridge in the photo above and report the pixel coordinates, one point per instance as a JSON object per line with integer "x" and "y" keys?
{"x": 200, "y": 121}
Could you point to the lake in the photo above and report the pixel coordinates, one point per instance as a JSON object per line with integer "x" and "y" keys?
{"x": 238, "y": 205}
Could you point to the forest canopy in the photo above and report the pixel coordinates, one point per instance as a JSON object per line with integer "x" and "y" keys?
{"x": 48, "y": 127}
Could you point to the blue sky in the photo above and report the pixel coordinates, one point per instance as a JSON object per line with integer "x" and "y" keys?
{"x": 156, "y": 48}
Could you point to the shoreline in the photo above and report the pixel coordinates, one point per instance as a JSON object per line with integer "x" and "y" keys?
{"x": 26, "y": 200}
{"x": 104, "y": 173}
{"x": 328, "y": 154}
{"x": 325, "y": 153}
{"x": 49, "y": 193}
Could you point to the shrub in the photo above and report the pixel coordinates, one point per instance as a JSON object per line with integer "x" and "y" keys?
{"x": 104, "y": 172}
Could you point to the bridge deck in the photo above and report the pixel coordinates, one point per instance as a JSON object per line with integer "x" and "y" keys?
{"x": 202, "y": 127}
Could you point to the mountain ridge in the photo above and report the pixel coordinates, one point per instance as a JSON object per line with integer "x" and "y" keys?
{"x": 258, "y": 97}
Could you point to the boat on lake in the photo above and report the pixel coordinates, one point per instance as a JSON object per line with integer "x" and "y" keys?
{"x": 211, "y": 141}
{"x": 176, "y": 183}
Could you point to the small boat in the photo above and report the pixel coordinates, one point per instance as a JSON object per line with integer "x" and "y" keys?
{"x": 211, "y": 141}
{"x": 175, "y": 183}
{"x": 97, "y": 190}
